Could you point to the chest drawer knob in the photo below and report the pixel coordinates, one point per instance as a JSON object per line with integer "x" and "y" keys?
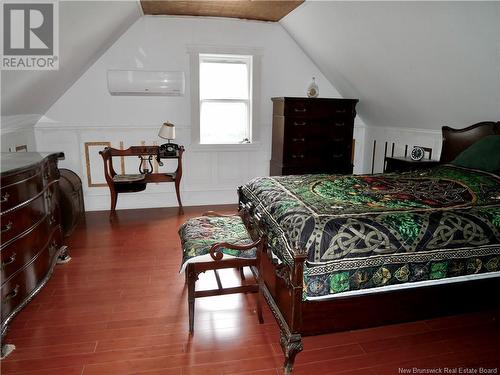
{"x": 302, "y": 123}
{"x": 340, "y": 111}
{"x": 339, "y": 124}
{"x": 300, "y": 110}
{"x": 11, "y": 260}
{"x": 298, "y": 139}
{"x": 5, "y": 198}
{"x": 300, "y": 156}
{"x": 337, "y": 156}
{"x": 12, "y": 294}
{"x": 7, "y": 227}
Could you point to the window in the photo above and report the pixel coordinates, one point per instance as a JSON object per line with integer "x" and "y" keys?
{"x": 225, "y": 98}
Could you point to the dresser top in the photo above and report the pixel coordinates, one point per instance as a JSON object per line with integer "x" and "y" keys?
{"x": 312, "y": 99}
{"x": 11, "y": 162}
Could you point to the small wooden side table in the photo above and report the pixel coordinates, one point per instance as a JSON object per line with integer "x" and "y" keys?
{"x": 394, "y": 164}
{"x": 131, "y": 183}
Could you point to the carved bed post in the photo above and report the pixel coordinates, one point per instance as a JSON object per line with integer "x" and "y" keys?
{"x": 260, "y": 279}
{"x": 290, "y": 337}
{"x": 291, "y": 340}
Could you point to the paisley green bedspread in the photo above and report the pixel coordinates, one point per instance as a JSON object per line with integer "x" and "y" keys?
{"x": 369, "y": 231}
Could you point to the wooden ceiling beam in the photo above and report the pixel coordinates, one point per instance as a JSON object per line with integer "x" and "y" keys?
{"x": 261, "y": 10}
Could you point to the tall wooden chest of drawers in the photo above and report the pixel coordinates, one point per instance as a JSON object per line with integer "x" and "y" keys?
{"x": 31, "y": 237}
{"x": 312, "y": 135}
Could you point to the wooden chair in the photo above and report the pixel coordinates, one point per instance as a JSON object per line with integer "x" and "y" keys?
{"x": 204, "y": 235}
{"x": 120, "y": 183}
{"x": 131, "y": 183}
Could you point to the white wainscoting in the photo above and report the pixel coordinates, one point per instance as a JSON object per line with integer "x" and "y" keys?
{"x": 210, "y": 176}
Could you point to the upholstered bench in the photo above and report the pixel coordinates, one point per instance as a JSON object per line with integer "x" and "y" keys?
{"x": 213, "y": 242}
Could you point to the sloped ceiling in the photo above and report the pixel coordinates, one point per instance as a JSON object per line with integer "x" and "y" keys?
{"x": 86, "y": 30}
{"x": 411, "y": 64}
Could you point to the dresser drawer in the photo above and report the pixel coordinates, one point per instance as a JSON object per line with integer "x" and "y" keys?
{"x": 340, "y": 125}
{"x": 20, "y": 191}
{"x": 21, "y": 285}
{"x": 17, "y": 221}
{"x": 304, "y": 127}
{"x": 301, "y": 154}
{"x": 313, "y": 169}
{"x": 20, "y": 252}
{"x": 337, "y": 148}
{"x": 295, "y": 126}
{"x": 314, "y": 108}
{"x": 317, "y": 137}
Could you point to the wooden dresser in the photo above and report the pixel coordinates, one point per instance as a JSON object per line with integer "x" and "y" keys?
{"x": 312, "y": 135}
{"x": 31, "y": 237}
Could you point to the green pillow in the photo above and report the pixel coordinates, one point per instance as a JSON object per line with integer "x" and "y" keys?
{"x": 483, "y": 154}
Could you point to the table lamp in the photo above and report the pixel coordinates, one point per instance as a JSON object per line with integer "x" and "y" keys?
{"x": 167, "y": 131}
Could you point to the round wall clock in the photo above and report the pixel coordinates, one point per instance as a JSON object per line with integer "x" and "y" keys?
{"x": 417, "y": 153}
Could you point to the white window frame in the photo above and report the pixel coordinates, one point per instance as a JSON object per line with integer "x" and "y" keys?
{"x": 241, "y": 59}
{"x": 253, "y": 116}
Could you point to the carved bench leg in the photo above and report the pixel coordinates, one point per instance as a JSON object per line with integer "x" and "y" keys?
{"x": 260, "y": 295}
{"x": 259, "y": 307}
{"x": 191, "y": 276}
{"x": 291, "y": 345}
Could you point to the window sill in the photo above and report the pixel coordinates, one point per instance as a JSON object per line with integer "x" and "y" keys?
{"x": 254, "y": 146}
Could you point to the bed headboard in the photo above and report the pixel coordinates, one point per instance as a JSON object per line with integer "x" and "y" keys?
{"x": 457, "y": 140}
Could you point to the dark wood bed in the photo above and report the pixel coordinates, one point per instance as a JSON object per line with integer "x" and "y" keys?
{"x": 282, "y": 286}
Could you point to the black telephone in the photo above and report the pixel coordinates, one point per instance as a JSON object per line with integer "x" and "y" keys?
{"x": 168, "y": 149}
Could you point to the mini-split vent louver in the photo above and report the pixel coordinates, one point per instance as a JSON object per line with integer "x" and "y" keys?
{"x": 145, "y": 82}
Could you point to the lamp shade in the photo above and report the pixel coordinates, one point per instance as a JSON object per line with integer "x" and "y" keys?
{"x": 167, "y": 131}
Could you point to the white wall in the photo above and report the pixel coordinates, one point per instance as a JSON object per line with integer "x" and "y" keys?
{"x": 17, "y": 131}
{"x": 87, "y": 112}
{"x": 86, "y": 30}
{"x": 412, "y": 64}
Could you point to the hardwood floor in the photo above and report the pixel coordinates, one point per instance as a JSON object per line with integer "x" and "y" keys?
{"x": 120, "y": 307}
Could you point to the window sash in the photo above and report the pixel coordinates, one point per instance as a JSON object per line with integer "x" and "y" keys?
{"x": 234, "y": 59}
{"x": 247, "y": 127}
{"x": 226, "y": 59}
{"x": 226, "y": 100}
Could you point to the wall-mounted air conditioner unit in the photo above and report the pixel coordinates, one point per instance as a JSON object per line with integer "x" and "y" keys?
{"x": 145, "y": 82}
